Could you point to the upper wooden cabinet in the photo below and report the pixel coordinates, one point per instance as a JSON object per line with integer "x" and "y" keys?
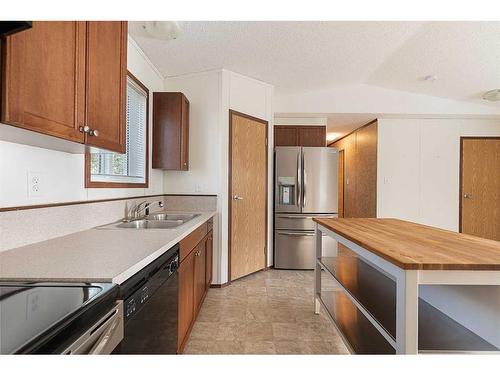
{"x": 306, "y": 136}
{"x": 107, "y": 84}
{"x": 286, "y": 136}
{"x": 59, "y": 77}
{"x": 170, "y": 131}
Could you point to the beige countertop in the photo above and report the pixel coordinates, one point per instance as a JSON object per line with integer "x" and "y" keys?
{"x": 94, "y": 255}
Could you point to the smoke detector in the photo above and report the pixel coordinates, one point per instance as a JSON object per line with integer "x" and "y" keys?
{"x": 164, "y": 30}
{"x": 492, "y": 95}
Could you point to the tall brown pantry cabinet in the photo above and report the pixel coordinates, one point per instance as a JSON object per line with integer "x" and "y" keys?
{"x": 67, "y": 79}
{"x": 359, "y": 172}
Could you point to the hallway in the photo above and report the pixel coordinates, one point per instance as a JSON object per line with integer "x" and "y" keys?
{"x": 269, "y": 312}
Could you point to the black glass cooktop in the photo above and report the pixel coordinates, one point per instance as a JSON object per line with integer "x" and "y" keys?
{"x": 32, "y": 312}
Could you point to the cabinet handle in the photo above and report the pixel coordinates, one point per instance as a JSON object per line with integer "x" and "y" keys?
{"x": 94, "y": 133}
{"x": 84, "y": 129}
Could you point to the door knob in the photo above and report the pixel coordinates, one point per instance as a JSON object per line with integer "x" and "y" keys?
{"x": 467, "y": 196}
{"x": 237, "y": 198}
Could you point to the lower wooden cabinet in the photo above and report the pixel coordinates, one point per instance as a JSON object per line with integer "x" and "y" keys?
{"x": 200, "y": 258}
{"x": 209, "y": 259}
{"x": 186, "y": 297}
{"x": 195, "y": 277}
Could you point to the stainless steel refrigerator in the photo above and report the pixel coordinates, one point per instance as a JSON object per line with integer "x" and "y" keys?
{"x": 306, "y": 186}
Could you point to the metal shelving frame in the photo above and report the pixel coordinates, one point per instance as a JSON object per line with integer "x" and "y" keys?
{"x": 407, "y": 284}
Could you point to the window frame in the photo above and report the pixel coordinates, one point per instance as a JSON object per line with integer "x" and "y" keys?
{"x": 101, "y": 184}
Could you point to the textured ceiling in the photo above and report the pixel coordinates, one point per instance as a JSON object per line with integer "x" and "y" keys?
{"x": 293, "y": 56}
{"x": 465, "y": 57}
{"x": 305, "y": 56}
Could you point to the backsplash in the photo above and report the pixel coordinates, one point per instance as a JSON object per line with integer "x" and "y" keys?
{"x": 24, "y": 227}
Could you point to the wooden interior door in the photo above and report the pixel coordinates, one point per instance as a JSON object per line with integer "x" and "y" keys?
{"x": 43, "y": 81}
{"x": 480, "y": 187}
{"x": 107, "y": 84}
{"x": 247, "y": 194}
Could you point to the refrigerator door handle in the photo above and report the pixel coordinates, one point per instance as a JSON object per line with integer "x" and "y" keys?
{"x": 305, "y": 180}
{"x": 296, "y": 234}
{"x": 299, "y": 179}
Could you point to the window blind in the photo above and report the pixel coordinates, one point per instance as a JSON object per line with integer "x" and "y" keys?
{"x": 129, "y": 167}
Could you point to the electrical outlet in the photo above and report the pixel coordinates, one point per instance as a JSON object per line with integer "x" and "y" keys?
{"x": 35, "y": 185}
{"x": 197, "y": 188}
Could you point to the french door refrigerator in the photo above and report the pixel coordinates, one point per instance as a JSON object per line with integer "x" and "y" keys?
{"x": 306, "y": 186}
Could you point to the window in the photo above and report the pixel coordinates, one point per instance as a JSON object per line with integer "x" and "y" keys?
{"x": 110, "y": 169}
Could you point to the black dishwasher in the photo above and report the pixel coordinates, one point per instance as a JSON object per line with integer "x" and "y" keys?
{"x": 150, "y": 304}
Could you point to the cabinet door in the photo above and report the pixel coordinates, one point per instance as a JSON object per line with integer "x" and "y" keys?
{"x": 107, "y": 84}
{"x": 285, "y": 136}
{"x": 312, "y": 136}
{"x": 170, "y": 131}
{"x": 209, "y": 257}
{"x": 199, "y": 273}
{"x": 186, "y": 296}
{"x": 366, "y": 167}
{"x": 43, "y": 81}
{"x": 185, "y": 134}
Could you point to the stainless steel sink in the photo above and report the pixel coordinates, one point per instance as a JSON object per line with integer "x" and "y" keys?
{"x": 151, "y": 224}
{"x": 154, "y": 221}
{"x": 169, "y": 217}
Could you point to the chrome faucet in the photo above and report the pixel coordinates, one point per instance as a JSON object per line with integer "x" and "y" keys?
{"x": 136, "y": 210}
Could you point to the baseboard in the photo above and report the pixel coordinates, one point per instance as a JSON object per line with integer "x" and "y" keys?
{"x": 220, "y": 285}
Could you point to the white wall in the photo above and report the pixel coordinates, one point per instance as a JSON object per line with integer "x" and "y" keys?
{"x": 418, "y": 167}
{"x": 364, "y": 98}
{"x": 313, "y": 121}
{"x": 62, "y": 173}
{"x": 211, "y": 94}
{"x": 418, "y": 172}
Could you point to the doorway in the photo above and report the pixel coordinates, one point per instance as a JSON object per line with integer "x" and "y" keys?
{"x": 247, "y": 194}
{"x": 480, "y": 186}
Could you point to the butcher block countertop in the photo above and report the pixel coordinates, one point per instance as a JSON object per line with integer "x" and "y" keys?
{"x": 418, "y": 247}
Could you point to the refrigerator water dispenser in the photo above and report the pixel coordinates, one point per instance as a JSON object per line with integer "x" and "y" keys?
{"x": 286, "y": 191}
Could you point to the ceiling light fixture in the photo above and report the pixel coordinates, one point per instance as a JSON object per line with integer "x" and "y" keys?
{"x": 492, "y": 95}
{"x": 164, "y": 30}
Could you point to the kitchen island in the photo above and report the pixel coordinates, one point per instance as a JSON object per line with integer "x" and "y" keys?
{"x": 370, "y": 289}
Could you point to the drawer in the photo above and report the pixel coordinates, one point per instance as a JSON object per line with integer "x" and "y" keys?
{"x": 297, "y": 221}
{"x": 189, "y": 242}
{"x": 297, "y": 249}
{"x": 210, "y": 224}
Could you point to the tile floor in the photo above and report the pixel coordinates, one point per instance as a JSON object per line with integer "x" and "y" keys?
{"x": 270, "y": 312}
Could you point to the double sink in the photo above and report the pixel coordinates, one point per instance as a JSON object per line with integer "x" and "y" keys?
{"x": 154, "y": 221}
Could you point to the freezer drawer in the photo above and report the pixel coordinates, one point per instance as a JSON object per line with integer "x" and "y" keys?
{"x": 297, "y": 222}
{"x": 296, "y": 249}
